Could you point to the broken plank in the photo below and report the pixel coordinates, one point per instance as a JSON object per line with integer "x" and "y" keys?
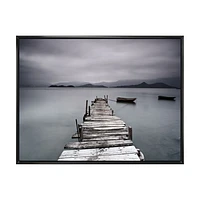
{"x": 75, "y": 136}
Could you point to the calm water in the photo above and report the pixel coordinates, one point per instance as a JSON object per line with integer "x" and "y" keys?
{"x": 47, "y": 120}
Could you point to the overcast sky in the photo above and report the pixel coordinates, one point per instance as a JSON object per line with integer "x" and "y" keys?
{"x": 47, "y": 61}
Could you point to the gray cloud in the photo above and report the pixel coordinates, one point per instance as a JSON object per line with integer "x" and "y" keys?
{"x": 46, "y": 61}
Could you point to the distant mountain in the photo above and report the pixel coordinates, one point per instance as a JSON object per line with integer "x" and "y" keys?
{"x": 91, "y": 85}
{"x": 172, "y": 81}
{"x": 146, "y": 85}
{"x": 85, "y": 85}
{"x": 74, "y": 83}
{"x": 61, "y": 86}
{"x": 141, "y": 85}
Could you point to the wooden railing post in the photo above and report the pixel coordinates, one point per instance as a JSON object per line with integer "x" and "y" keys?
{"x": 86, "y": 106}
{"x": 89, "y": 111}
{"x": 76, "y": 126}
{"x": 130, "y": 134}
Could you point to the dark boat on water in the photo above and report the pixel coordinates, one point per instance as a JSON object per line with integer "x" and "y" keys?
{"x": 166, "y": 98}
{"x": 126, "y": 100}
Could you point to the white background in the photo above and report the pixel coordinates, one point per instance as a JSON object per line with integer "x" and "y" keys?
{"x": 99, "y": 18}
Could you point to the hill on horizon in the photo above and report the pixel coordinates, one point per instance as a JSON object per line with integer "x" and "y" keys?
{"x": 141, "y": 85}
{"x": 91, "y": 85}
{"x": 146, "y": 85}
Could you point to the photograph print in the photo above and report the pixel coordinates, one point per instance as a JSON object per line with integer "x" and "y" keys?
{"x": 99, "y": 99}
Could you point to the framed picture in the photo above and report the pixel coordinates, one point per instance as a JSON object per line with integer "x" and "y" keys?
{"x": 100, "y": 99}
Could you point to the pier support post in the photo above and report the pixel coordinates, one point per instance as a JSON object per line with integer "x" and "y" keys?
{"x": 80, "y": 134}
{"x": 106, "y": 98}
{"x": 86, "y": 106}
{"x": 130, "y": 133}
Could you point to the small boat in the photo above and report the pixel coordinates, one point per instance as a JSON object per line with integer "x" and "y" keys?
{"x": 128, "y": 100}
{"x": 166, "y": 98}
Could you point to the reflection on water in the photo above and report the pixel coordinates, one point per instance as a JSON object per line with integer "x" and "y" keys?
{"x": 47, "y": 119}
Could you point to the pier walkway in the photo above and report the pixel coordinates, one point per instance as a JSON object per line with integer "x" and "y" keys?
{"x": 101, "y": 137}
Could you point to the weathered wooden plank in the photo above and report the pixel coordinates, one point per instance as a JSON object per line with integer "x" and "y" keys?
{"x": 92, "y": 131}
{"x": 92, "y": 135}
{"x": 92, "y": 113}
{"x": 122, "y": 157}
{"x": 104, "y": 126}
{"x": 98, "y": 151}
{"x": 100, "y": 111}
{"x": 100, "y": 105}
{"x": 100, "y": 108}
{"x": 114, "y": 127}
{"x": 110, "y": 128}
{"x": 78, "y": 153}
{"x": 105, "y": 117}
{"x": 98, "y": 144}
{"x": 122, "y": 137}
{"x": 101, "y": 120}
{"x": 108, "y": 131}
{"x": 95, "y": 106}
{"x": 104, "y": 121}
{"x": 101, "y": 114}
{"x": 102, "y": 117}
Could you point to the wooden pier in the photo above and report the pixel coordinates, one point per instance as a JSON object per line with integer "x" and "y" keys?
{"x": 101, "y": 137}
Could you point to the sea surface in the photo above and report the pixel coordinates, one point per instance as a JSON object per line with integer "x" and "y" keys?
{"x": 47, "y": 120}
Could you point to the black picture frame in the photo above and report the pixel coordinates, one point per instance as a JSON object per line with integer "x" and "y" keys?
{"x": 18, "y": 161}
